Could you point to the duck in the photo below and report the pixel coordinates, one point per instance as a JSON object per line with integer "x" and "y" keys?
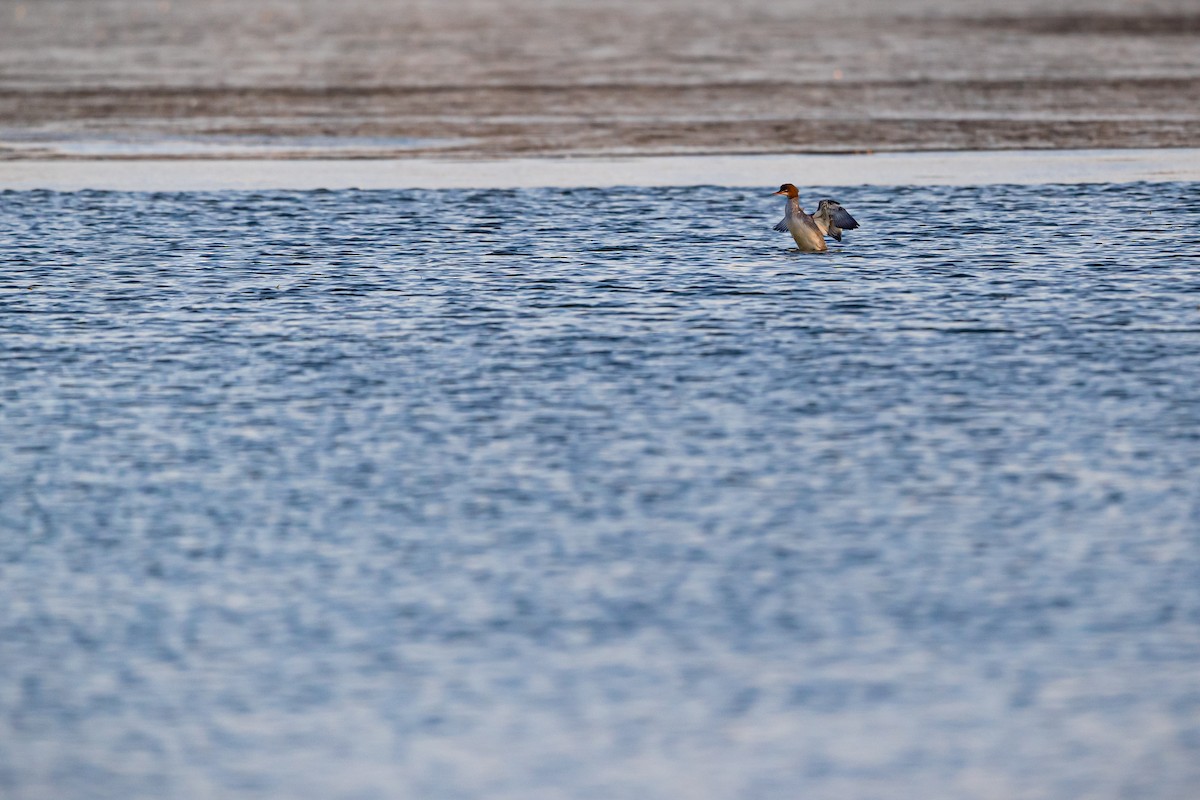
{"x": 810, "y": 231}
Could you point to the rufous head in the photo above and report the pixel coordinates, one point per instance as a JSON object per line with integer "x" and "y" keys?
{"x": 789, "y": 190}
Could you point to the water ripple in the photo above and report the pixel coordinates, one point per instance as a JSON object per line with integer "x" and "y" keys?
{"x": 576, "y": 493}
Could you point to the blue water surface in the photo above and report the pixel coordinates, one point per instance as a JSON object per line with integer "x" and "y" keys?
{"x": 600, "y": 494}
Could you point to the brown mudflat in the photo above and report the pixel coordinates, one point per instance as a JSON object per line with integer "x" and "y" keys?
{"x": 376, "y": 78}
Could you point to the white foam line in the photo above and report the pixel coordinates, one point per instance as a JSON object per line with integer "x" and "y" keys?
{"x": 1028, "y": 167}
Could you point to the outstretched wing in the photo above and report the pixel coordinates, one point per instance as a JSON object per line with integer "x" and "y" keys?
{"x": 840, "y": 216}
{"x": 781, "y": 226}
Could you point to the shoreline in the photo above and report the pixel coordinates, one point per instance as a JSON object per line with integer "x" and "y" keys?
{"x": 527, "y": 79}
{"x": 923, "y": 168}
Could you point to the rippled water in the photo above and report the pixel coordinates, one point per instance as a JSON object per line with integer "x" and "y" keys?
{"x": 600, "y": 494}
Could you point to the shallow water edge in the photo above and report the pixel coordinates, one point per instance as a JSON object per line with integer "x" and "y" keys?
{"x": 959, "y": 168}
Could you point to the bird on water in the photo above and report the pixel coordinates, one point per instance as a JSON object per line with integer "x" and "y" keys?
{"x": 810, "y": 231}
